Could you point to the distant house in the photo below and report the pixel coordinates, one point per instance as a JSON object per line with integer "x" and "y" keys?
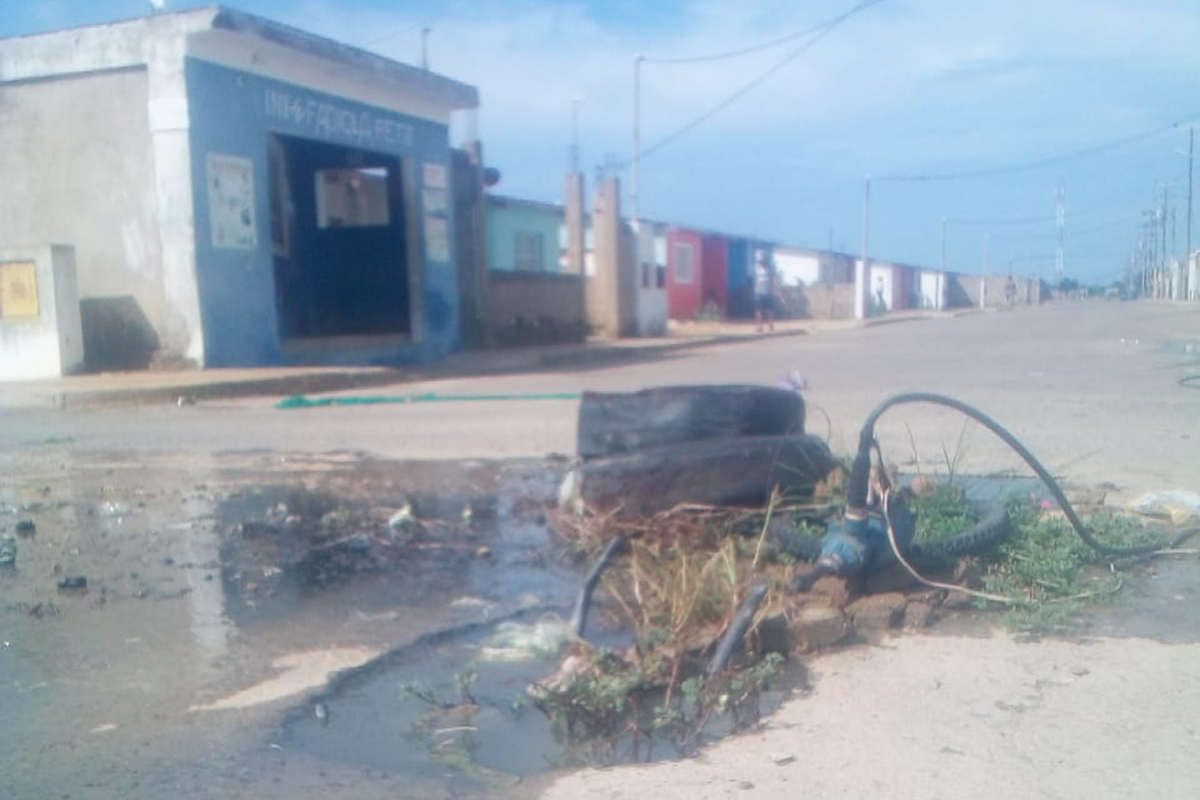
{"x": 685, "y": 295}
{"x": 714, "y": 273}
{"x": 651, "y": 291}
{"x": 244, "y": 192}
{"x": 897, "y": 287}
{"x": 524, "y": 235}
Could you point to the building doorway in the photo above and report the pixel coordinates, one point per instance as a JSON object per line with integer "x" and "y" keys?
{"x": 338, "y": 240}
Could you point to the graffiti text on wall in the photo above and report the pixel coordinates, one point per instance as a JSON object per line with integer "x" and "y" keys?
{"x": 332, "y": 121}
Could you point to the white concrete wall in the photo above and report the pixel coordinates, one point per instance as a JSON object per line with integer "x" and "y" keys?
{"x": 796, "y": 266}
{"x": 51, "y": 344}
{"x": 651, "y": 301}
{"x": 932, "y": 288}
{"x": 78, "y": 169}
{"x": 881, "y": 283}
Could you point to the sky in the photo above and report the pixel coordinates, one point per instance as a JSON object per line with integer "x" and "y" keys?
{"x": 1095, "y": 97}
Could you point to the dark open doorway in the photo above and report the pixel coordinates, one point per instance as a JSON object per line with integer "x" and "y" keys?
{"x": 337, "y": 231}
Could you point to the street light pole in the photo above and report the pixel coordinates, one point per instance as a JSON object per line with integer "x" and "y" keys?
{"x": 635, "y": 177}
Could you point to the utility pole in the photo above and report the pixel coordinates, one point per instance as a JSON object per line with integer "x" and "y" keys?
{"x": 983, "y": 272}
{"x": 635, "y": 177}
{"x": 574, "y": 153}
{"x": 1187, "y": 256}
{"x": 1060, "y": 216}
{"x": 943, "y": 243}
{"x": 862, "y": 272}
{"x": 425, "y": 48}
{"x": 1164, "y": 255}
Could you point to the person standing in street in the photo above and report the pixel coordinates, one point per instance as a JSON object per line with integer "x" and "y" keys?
{"x": 764, "y": 291}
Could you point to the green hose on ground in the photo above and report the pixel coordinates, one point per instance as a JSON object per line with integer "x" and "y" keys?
{"x": 300, "y": 401}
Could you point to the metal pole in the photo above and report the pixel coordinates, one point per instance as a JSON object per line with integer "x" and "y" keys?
{"x": 425, "y": 48}
{"x": 983, "y": 272}
{"x": 1162, "y": 261}
{"x": 575, "y": 134}
{"x": 943, "y": 244}
{"x": 1187, "y": 257}
{"x": 862, "y": 273}
{"x": 635, "y": 181}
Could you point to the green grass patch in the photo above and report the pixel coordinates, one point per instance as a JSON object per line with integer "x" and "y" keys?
{"x": 1044, "y": 566}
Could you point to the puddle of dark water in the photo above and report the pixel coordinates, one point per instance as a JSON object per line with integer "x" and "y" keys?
{"x": 371, "y": 719}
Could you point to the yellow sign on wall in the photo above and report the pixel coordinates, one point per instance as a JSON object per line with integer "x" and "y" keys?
{"x": 18, "y": 290}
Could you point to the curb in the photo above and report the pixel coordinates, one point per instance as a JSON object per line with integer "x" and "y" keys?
{"x": 468, "y": 363}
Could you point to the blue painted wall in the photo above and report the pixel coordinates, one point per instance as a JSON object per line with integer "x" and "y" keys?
{"x": 232, "y": 113}
{"x": 741, "y": 295}
{"x": 507, "y": 218}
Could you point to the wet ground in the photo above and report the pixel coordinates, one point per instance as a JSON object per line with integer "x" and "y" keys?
{"x": 222, "y": 592}
{"x": 203, "y": 623}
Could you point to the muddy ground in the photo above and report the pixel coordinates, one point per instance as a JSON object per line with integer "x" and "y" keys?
{"x": 218, "y": 593}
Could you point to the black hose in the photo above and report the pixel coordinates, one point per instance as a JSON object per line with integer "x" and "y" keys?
{"x": 579, "y": 617}
{"x": 868, "y": 435}
{"x": 737, "y": 629}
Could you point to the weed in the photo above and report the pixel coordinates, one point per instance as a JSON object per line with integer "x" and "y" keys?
{"x": 1044, "y": 565}
{"x": 943, "y": 514}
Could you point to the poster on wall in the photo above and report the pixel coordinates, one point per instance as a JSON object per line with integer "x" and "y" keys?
{"x": 437, "y": 239}
{"x": 436, "y": 205}
{"x": 434, "y": 175}
{"x": 231, "y": 201}
{"x": 18, "y": 290}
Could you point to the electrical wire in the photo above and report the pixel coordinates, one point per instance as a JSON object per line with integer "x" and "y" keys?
{"x": 821, "y": 32}
{"x": 1037, "y": 164}
{"x": 763, "y": 45}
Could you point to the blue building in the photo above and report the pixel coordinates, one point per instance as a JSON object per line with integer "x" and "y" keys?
{"x": 262, "y": 195}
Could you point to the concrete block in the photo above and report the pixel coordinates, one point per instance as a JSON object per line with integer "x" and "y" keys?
{"x": 817, "y": 625}
{"x": 40, "y": 331}
{"x": 835, "y": 588}
{"x": 877, "y": 611}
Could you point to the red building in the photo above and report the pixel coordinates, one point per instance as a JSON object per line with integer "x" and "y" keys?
{"x": 714, "y": 268}
{"x": 684, "y": 275}
{"x": 697, "y": 273}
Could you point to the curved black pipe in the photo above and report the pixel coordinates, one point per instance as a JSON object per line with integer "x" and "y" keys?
{"x": 579, "y": 617}
{"x": 737, "y": 629}
{"x": 867, "y": 436}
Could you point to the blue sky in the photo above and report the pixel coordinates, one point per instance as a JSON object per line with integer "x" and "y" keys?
{"x": 906, "y": 87}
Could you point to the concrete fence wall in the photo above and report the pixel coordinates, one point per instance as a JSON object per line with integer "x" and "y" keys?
{"x": 1028, "y": 290}
{"x": 535, "y": 308}
{"x": 830, "y": 300}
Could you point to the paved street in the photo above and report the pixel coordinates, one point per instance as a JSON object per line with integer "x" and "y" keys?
{"x": 1092, "y": 388}
{"x": 149, "y": 684}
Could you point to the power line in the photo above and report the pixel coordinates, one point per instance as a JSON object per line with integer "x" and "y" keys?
{"x": 1041, "y": 163}
{"x": 1001, "y": 221}
{"x": 761, "y": 46}
{"x": 821, "y": 31}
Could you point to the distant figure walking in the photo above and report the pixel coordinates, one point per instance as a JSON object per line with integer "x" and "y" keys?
{"x": 764, "y": 291}
{"x": 1010, "y": 292}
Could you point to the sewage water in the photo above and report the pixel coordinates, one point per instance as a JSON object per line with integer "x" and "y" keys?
{"x": 194, "y": 597}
